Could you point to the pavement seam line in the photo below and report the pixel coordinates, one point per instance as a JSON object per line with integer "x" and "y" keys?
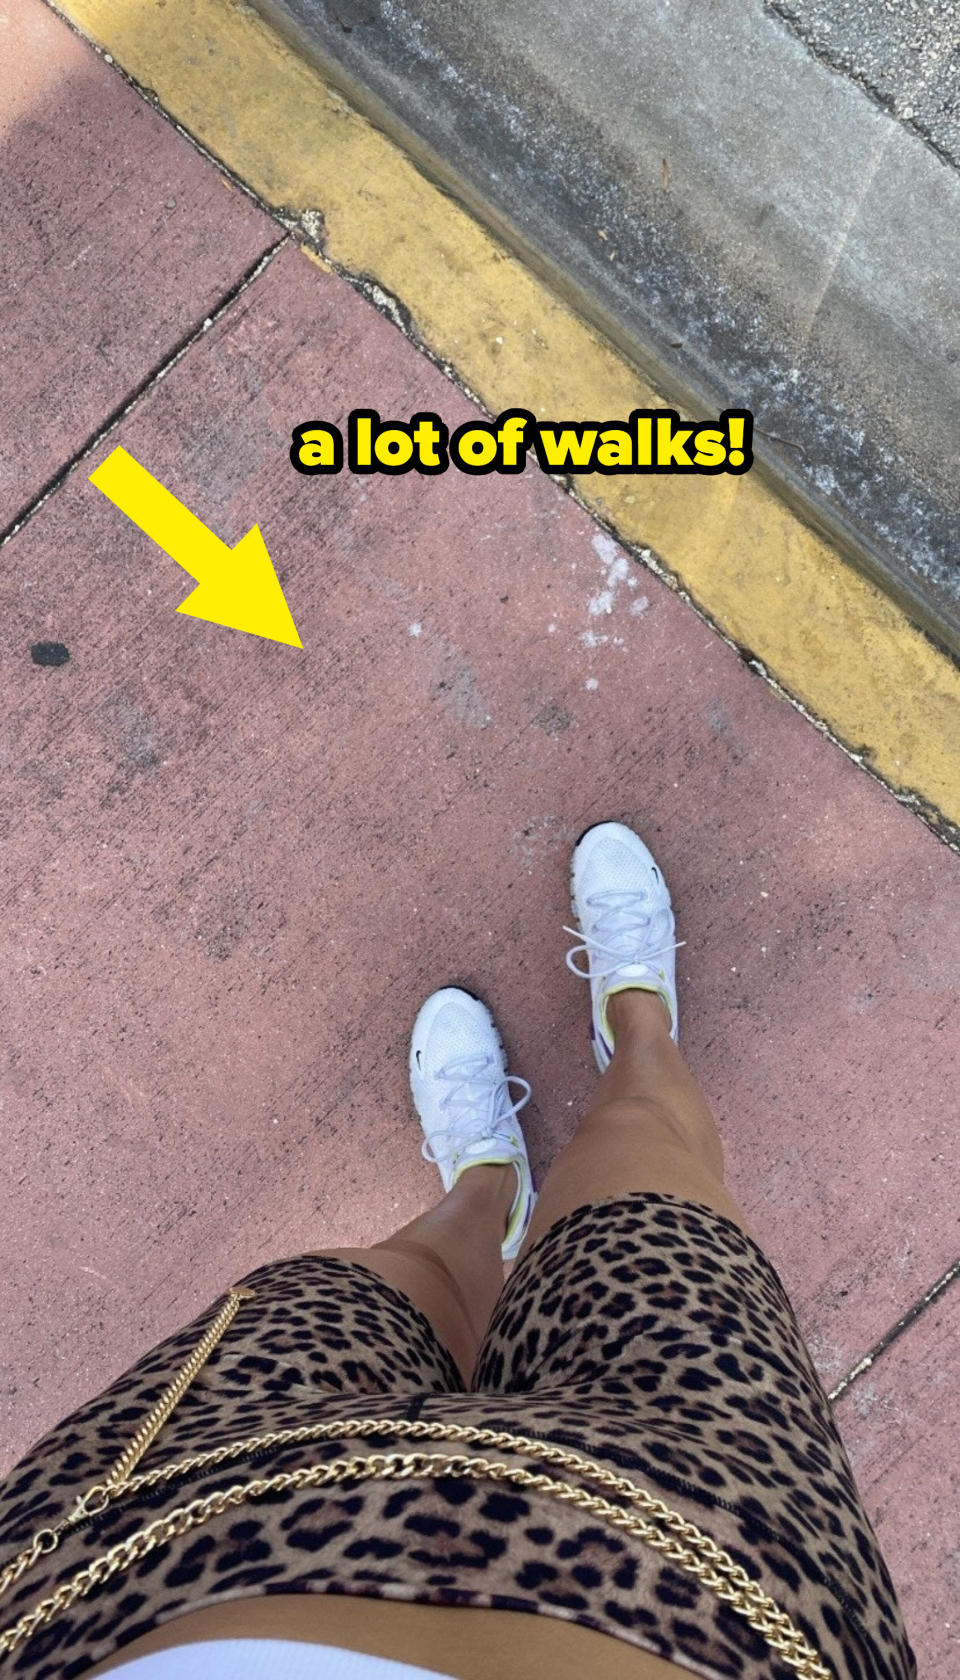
{"x": 896, "y": 1331}
{"x": 145, "y": 385}
{"x": 824, "y": 636}
{"x": 152, "y": 99}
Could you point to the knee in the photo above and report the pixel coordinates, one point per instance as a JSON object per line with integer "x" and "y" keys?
{"x": 356, "y": 1256}
{"x": 411, "y": 1254}
{"x": 426, "y": 1259}
{"x": 651, "y": 1123}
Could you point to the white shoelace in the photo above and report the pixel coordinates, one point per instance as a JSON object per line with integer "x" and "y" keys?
{"x": 477, "y": 1085}
{"x": 618, "y": 932}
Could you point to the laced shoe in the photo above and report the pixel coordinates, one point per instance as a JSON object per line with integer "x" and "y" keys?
{"x": 461, "y": 1090}
{"x": 626, "y": 926}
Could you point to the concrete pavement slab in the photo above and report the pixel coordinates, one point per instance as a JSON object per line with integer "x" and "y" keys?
{"x": 901, "y": 1422}
{"x": 233, "y": 870}
{"x": 117, "y": 241}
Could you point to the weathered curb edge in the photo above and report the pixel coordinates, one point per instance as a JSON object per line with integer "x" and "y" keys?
{"x": 508, "y": 125}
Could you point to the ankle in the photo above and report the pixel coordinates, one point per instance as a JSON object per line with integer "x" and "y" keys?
{"x": 638, "y": 1013}
{"x": 492, "y": 1182}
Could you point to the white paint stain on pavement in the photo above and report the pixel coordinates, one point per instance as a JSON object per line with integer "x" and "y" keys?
{"x": 619, "y": 573}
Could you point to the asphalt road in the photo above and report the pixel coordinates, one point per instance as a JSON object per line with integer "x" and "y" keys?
{"x": 905, "y": 52}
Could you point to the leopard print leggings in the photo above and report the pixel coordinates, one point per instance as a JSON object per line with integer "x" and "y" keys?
{"x": 647, "y": 1333}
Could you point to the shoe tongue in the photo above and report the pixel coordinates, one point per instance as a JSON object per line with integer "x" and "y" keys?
{"x": 484, "y": 1152}
{"x": 630, "y": 971}
{"x": 485, "y": 1148}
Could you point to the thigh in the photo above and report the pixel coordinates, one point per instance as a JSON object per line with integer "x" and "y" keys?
{"x": 314, "y": 1329}
{"x": 666, "y": 1337}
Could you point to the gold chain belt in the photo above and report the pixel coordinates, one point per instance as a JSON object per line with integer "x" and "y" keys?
{"x": 659, "y": 1527}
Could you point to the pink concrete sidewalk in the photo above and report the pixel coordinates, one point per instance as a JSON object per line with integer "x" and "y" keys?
{"x": 233, "y": 870}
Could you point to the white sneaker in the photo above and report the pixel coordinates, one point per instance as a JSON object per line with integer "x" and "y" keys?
{"x": 621, "y": 902}
{"x": 461, "y": 1089}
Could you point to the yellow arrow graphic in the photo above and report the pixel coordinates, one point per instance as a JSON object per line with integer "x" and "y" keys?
{"x": 236, "y": 587}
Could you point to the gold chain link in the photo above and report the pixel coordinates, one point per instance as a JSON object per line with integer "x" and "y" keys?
{"x": 96, "y": 1498}
{"x": 683, "y": 1544}
{"x": 171, "y": 1397}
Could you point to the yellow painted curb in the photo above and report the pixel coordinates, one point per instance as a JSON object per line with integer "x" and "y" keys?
{"x": 828, "y": 636}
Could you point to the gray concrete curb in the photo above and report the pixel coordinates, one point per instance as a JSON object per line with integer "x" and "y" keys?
{"x": 744, "y": 223}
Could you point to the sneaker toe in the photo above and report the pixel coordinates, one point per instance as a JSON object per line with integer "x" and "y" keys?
{"x": 613, "y": 854}
{"x": 452, "y": 1023}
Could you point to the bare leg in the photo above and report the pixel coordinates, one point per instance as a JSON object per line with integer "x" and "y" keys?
{"x": 448, "y": 1261}
{"x": 647, "y": 1128}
